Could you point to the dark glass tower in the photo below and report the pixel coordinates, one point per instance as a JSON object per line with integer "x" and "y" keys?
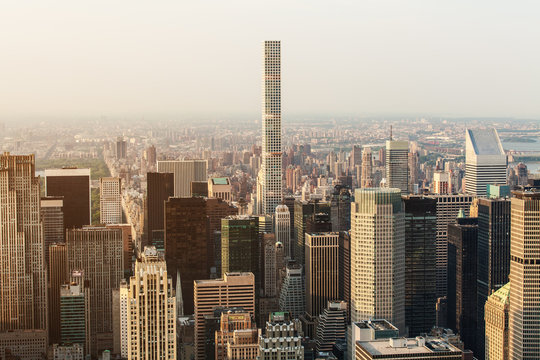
{"x": 493, "y": 256}
{"x": 462, "y": 242}
{"x": 159, "y": 187}
{"x": 420, "y": 259}
{"x": 341, "y": 208}
{"x": 304, "y": 210}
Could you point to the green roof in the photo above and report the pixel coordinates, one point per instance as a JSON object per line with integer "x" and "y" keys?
{"x": 220, "y": 181}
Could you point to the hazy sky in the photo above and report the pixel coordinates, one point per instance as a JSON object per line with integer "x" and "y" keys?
{"x": 151, "y": 58}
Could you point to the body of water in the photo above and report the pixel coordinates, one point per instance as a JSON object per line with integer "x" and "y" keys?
{"x": 532, "y": 166}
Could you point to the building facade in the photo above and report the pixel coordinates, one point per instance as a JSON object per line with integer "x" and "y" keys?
{"x": 282, "y": 221}
{"x": 496, "y": 324}
{"x": 159, "y": 187}
{"x": 397, "y": 165}
{"x": 110, "y": 200}
{"x": 185, "y": 171}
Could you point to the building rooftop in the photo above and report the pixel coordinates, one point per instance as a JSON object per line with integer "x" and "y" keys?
{"x": 404, "y": 346}
{"x": 485, "y": 141}
{"x": 220, "y": 181}
{"x": 503, "y": 294}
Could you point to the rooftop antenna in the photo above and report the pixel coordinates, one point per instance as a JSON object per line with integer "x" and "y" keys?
{"x": 390, "y": 132}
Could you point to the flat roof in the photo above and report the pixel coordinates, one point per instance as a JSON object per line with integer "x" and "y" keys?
{"x": 220, "y": 181}
{"x": 383, "y": 347}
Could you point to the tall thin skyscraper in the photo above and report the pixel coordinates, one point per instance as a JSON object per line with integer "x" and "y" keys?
{"x": 151, "y": 307}
{"x": 23, "y": 278}
{"x": 58, "y": 275}
{"x": 378, "y": 256}
{"x": 485, "y": 161}
{"x": 160, "y": 186}
{"x": 270, "y": 176}
{"x": 52, "y": 216}
{"x": 397, "y": 165}
{"x": 524, "y": 315}
{"x": 110, "y": 200}
{"x": 74, "y": 185}
{"x": 283, "y": 228}
{"x": 367, "y": 168}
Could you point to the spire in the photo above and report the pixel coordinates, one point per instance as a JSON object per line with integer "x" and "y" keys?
{"x": 179, "y": 298}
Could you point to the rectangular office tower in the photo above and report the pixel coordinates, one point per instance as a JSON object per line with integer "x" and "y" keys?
{"x": 378, "y": 256}
{"x": 159, "y": 187}
{"x": 110, "y": 200}
{"x": 524, "y": 316}
{"x": 151, "y": 309}
{"x": 270, "y": 188}
{"x": 493, "y": 265}
{"x": 397, "y": 165}
{"x": 485, "y": 161}
{"x": 420, "y": 255}
{"x": 23, "y": 280}
{"x": 74, "y": 185}
{"x": 52, "y": 216}
{"x": 496, "y": 324}
{"x": 233, "y": 290}
{"x": 185, "y": 172}
{"x": 98, "y": 251}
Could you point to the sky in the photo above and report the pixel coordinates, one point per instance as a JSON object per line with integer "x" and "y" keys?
{"x": 69, "y": 59}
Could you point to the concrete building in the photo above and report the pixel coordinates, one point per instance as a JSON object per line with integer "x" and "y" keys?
{"x": 73, "y": 314}
{"x": 441, "y": 182}
{"x": 496, "y": 324}
{"x": 405, "y": 349}
{"x": 367, "y": 168}
{"x": 292, "y": 297}
{"x": 485, "y": 160}
{"x": 159, "y": 187}
{"x": 282, "y": 339}
{"x": 74, "y": 185}
{"x": 448, "y": 207}
{"x": 524, "y": 313}
{"x": 397, "y": 165}
{"x": 151, "y": 309}
{"x": 58, "y": 275}
{"x": 110, "y": 200}
{"x": 270, "y": 192}
{"x": 340, "y": 212}
{"x": 233, "y": 290}
{"x": 303, "y": 211}
{"x": 52, "y": 217}
{"x": 121, "y": 148}
{"x": 23, "y": 344}
{"x": 185, "y": 171}
{"x": 220, "y": 188}
{"x": 282, "y": 228}
{"x": 98, "y": 251}
{"x": 23, "y": 281}
{"x": 67, "y": 352}
{"x": 378, "y": 256}
{"x": 237, "y": 337}
{"x": 332, "y": 325}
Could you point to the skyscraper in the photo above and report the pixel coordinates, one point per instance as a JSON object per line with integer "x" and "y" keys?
{"x": 74, "y": 185}
{"x": 322, "y": 271}
{"x": 496, "y": 324}
{"x": 292, "y": 297}
{"x": 73, "y": 312}
{"x": 233, "y": 290}
{"x": 485, "y": 160}
{"x": 52, "y": 217}
{"x": 524, "y": 315}
{"x": 58, "y": 275}
{"x": 23, "y": 280}
{"x": 283, "y": 228}
{"x": 270, "y": 177}
{"x": 282, "y": 339}
{"x": 98, "y": 251}
{"x": 493, "y": 265}
{"x": 397, "y": 165}
{"x": 185, "y": 172}
{"x": 332, "y": 325}
{"x": 151, "y": 309}
{"x": 367, "y": 168}
{"x": 159, "y": 187}
{"x": 110, "y": 200}
{"x": 420, "y": 255}
{"x": 121, "y": 148}
{"x": 303, "y": 211}
{"x": 340, "y": 212}
{"x": 378, "y": 256}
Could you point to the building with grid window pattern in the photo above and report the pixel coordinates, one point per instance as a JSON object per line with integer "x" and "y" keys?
{"x": 110, "y": 200}
{"x": 270, "y": 176}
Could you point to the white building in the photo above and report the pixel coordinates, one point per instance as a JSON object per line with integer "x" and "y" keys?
{"x": 378, "y": 256}
{"x": 270, "y": 192}
{"x": 282, "y": 228}
{"x": 185, "y": 171}
{"x": 110, "y": 200}
{"x": 485, "y": 161}
{"x": 397, "y": 165}
{"x": 281, "y": 339}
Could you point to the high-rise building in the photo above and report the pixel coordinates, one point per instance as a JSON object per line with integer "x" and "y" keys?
{"x": 462, "y": 250}
{"x": 322, "y": 271}
{"x": 304, "y": 210}
{"x": 127, "y": 245}
{"x": 273, "y": 260}
{"x": 282, "y": 224}
{"x": 159, "y": 187}
{"x": 420, "y": 255}
{"x": 448, "y": 207}
{"x": 240, "y": 248}
{"x": 282, "y": 339}
{"x": 73, "y": 314}
{"x": 151, "y": 309}
{"x": 237, "y": 337}
{"x": 185, "y": 171}
{"x": 121, "y": 148}
{"x": 378, "y": 256}
{"x": 58, "y": 275}
{"x": 23, "y": 281}
{"x": 68, "y": 351}
{"x": 74, "y": 185}
{"x": 413, "y": 172}
{"x": 496, "y": 324}
{"x": 98, "y": 251}
{"x": 270, "y": 175}
{"x": 292, "y": 297}
{"x": 441, "y": 182}
{"x": 23, "y": 344}
{"x": 524, "y": 314}
{"x": 110, "y": 200}
{"x": 493, "y": 265}
{"x": 341, "y": 208}
{"x": 485, "y": 160}
{"x": 190, "y": 226}
{"x": 397, "y": 165}
{"x": 356, "y": 156}
{"x": 220, "y": 188}
{"x": 402, "y": 348}
{"x": 233, "y": 290}
{"x": 345, "y": 270}
{"x": 367, "y": 168}
{"x": 332, "y": 325}
{"x": 52, "y": 217}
